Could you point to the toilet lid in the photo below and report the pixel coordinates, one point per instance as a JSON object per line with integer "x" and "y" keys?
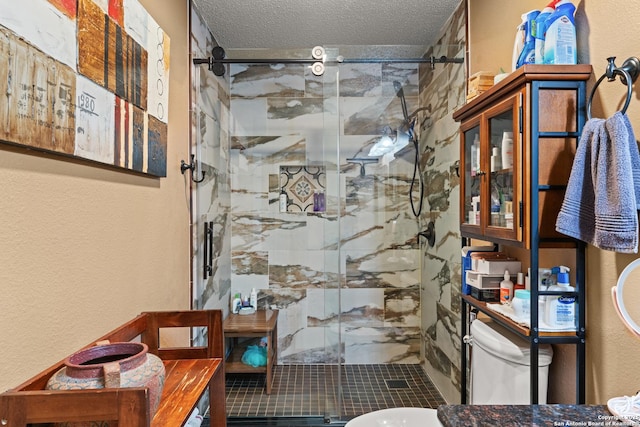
{"x": 504, "y": 344}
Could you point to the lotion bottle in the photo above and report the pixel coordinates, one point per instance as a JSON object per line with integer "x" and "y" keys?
{"x": 253, "y": 299}
{"x": 561, "y": 310}
{"x": 506, "y": 289}
{"x": 507, "y": 150}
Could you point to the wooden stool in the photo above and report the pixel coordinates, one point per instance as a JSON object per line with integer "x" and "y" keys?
{"x": 262, "y": 323}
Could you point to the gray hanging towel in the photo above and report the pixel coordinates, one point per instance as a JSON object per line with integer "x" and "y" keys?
{"x": 600, "y": 204}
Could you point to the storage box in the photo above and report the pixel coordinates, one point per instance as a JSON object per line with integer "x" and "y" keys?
{"x": 467, "y": 252}
{"x": 479, "y": 83}
{"x": 486, "y": 295}
{"x": 486, "y": 281}
{"x": 489, "y": 266}
{"x": 495, "y": 256}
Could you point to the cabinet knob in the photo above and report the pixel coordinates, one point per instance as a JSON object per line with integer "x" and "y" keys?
{"x": 481, "y": 173}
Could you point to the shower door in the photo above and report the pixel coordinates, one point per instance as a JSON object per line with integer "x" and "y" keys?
{"x": 266, "y": 216}
{"x": 295, "y": 204}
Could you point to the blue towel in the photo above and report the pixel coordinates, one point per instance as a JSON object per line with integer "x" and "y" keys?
{"x": 600, "y": 204}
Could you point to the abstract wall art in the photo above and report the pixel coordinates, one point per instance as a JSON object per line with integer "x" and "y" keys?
{"x": 87, "y": 79}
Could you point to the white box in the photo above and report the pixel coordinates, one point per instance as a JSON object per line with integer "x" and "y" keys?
{"x": 487, "y": 266}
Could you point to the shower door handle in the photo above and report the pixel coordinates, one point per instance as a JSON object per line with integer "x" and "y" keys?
{"x": 207, "y": 258}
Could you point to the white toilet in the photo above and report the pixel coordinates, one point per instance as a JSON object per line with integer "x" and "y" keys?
{"x": 398, "y": 417}
{"x": 500, "y": 364}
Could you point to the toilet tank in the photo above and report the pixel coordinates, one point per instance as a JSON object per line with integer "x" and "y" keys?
{"x": 500, "y": 361}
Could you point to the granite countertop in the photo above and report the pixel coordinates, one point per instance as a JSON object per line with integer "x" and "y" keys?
{"x": 527, "y": 415}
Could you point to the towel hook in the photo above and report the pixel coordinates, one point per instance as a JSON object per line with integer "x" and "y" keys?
{"x": 184, "y": 166}
{"x": 628, "y": 73}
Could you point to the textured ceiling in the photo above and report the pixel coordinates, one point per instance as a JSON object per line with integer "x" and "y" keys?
{"x": 287, "y": 24}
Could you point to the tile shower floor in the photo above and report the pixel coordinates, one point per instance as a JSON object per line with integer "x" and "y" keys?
{"x": 306, "y": 390}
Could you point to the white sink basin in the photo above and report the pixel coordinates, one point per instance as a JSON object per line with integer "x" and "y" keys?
{"x": 397, "y": 417}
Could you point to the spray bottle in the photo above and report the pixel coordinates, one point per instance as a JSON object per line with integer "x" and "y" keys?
{"x": 540, "y": 30}
{"x": 528, "y": 51}
{"x": 560, "y": 41}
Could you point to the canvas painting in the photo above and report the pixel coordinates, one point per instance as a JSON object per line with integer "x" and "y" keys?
{"x": 86, "y": 78}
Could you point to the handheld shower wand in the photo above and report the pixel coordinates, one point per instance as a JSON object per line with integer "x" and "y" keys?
{"x": 417, "y": 171}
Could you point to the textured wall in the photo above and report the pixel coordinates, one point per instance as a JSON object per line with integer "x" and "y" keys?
{"x": 605, "y": 28}
{"x": 83, "y": 247}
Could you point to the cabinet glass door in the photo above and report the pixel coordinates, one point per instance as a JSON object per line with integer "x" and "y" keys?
{"x": 472, "y": 176}
{"x": 501, "y": 175}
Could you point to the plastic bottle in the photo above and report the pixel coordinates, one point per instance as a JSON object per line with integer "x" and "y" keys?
{"x": 560, "y": 41}
{"x": 496, "y": 164}
{"x": 321, "y": 201}
{"x": 540, "y": 30}
{"x": 507, "y": 150}
{"x": 518, "y": 44}
{"x": 528, "y": 51}
{"x": 521, "y": 303}
{"x": 475, "y": 155}
{"x": 283, "y": 200}
{"x": 506, "y": 289}
{"x": 316, "y": 204}
{"x": 561, "y": 310}
{"x": 544, "y": 281}
{"x": 236, "y": 303}
{"x": 519, "y": 282}
{"x": 253, "y": 299}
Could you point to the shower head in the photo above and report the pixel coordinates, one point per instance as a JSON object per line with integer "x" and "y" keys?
{"x": 398, "y": 87}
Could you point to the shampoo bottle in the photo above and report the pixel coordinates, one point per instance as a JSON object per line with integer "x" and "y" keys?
{"x": 560, "y": 41}
{"x": 283, "y": 200}
{"x": 506, "y": 289}
{"x": 560, "y": 309}
{"x": 236, "y": 303}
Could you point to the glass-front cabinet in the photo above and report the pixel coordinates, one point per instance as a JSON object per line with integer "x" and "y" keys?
{"x": 491, "y": 172}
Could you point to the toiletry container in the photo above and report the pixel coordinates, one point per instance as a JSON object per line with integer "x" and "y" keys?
{"x": 253, "y": 298}
{"x": 506, "y": 288}
{"x": 561, "y": 310}
{"x": 506, "y": 147}
{"x": 500, "y": 364}
{"x": 283, "y": 200}
{"x": 236, "y": 303}
{"x": 521, "y": 303}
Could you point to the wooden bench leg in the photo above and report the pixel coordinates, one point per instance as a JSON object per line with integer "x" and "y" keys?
{"x": 217, "y": 400}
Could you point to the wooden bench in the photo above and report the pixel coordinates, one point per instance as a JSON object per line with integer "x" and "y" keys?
{"x": 190, "y": 371}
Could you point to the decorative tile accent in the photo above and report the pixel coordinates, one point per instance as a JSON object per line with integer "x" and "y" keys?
{"x": 303, "y": 184}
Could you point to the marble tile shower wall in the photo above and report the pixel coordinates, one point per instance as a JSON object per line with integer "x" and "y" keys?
{"x": 442, "y": 90}
{"x": 297, "y": 260}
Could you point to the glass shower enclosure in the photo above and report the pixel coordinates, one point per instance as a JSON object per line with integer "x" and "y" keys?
{"x": 305, "y": 198}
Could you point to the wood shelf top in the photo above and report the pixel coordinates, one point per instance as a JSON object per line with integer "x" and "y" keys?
{"x": 259, "y": 322}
